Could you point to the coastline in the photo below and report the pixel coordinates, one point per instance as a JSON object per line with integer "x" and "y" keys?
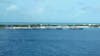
{"x": 50, "y": 26}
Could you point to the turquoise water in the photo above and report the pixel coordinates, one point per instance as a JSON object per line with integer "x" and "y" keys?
{"x": 50, "y": 42}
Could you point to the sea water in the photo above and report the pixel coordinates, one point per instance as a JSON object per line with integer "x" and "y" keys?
{"x": 67, "y": 42}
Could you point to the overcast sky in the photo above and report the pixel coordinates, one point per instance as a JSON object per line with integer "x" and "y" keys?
{"x": 59, "y": 11}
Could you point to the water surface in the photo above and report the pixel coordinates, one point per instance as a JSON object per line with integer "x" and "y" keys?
{"x": 50, "y": 42}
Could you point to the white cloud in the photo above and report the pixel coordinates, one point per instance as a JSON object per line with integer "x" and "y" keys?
{"x": 39, "y": 10}
{"x": 12, "y": 8}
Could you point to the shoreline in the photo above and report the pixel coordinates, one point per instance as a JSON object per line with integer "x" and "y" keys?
{"x": 51, "y": 26}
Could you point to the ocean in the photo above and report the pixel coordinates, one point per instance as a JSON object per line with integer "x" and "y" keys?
{"x": 67, "y": 42}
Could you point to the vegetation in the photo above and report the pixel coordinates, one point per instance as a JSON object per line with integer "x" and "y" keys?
{"x": 53, "y": 25}
{"x": 2, "y": 26}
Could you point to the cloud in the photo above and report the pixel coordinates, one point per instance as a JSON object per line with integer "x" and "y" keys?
{"x": 12, "y": 8}
{"x": 39, "y": 10}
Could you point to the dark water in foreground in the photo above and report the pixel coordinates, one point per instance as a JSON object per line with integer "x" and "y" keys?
{"x": 50, "y": 42}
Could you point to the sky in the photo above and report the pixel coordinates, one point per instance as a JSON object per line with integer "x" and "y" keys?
{"x": 58, "y": 11}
